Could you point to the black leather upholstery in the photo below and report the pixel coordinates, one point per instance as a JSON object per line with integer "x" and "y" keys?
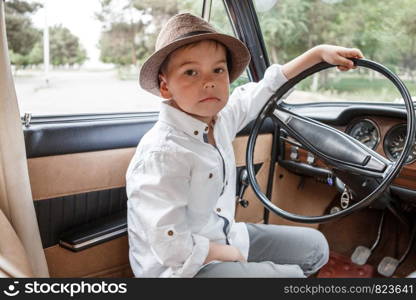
{"x": 58, "y": 215}
{"x": 45, "y": 139}
{"x": 55, "y": 139}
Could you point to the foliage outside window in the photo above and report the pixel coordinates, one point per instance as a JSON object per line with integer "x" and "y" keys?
{"x": 26, "y": 43}
{"x": 130, "y": 31}
{"x": 384, "y": 30}
{"x": 126, "y": 35}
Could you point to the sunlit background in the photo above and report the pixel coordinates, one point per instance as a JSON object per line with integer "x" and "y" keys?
{"x": 78, "y": 56}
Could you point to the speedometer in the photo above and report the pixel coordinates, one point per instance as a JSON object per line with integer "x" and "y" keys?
{"x": 366, "y": 132}
{"x": 394, "y": 143}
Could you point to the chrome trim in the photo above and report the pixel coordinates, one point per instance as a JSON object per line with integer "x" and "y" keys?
{"x": 291, "y": 141}
{"x": 27, "y": 118}
{"x": 356, "y": 121}
{"x": 94, "y": 240}
{"x": 282, "y": 116}
{"x": 294, "y": 153}
{"x": 387, "y": 135}
{"x": 310, "y": 158}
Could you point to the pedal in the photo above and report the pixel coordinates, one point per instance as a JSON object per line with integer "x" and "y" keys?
{"x": 360, "y": 255}
{"x": 388, "y": 266}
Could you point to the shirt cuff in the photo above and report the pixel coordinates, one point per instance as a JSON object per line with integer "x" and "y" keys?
{"x": 196, "y": 260}
{"x": 274, "y": 77}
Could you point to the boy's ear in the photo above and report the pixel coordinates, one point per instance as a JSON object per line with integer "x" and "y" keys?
{"x": 163, "y": 87}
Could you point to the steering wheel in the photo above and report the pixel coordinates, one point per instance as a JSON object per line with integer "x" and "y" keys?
{"x": 367, "y": 173}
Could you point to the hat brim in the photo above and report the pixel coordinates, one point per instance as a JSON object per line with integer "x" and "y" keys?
{"x": 240, "y": 58}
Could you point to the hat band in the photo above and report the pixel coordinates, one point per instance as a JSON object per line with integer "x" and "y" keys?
{"x": 192, "y": 33}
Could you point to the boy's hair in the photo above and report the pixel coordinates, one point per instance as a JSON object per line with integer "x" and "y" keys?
{"x": 164, "y": 66}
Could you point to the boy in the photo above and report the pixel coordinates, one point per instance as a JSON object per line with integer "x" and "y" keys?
{"x": 181, "y": 181}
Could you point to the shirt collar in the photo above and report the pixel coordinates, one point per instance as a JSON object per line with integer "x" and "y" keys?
{"x": 184, "y": 122}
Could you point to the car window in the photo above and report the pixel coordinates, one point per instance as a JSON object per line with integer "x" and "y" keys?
{"x": 95, "y": 51}
{"x": 384, "y": 30}
{"x": 220, "y": 20}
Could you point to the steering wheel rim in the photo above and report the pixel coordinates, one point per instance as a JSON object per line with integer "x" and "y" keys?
{"x": 275, "y": 102}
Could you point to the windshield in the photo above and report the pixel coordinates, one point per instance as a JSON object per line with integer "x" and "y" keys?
{"x": 384, "y": 30}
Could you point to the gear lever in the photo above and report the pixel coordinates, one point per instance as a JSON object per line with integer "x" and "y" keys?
{"x": 244, "y": 184}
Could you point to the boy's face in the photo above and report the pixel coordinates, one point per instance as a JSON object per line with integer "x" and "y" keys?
{"x": 196, "y": 79}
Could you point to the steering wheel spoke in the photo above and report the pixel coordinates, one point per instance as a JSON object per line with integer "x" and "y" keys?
{"x": 333, "y": 146}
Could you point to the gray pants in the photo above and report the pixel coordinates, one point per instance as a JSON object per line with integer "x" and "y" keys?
{"x": 276, "y": 251}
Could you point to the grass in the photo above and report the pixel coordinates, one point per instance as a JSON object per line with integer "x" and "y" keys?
{"x": 127, "y": 73}
{"x": 359, "y": 88}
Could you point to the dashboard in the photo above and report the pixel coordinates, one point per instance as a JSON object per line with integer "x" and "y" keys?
{"x": 368, "y": 132}
{"x": 382, "y": 129}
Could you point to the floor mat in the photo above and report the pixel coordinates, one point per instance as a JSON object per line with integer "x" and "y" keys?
{"x": 340, "y": 266}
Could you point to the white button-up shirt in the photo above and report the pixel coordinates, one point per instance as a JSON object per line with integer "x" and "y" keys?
{"x": 181, "y": 189}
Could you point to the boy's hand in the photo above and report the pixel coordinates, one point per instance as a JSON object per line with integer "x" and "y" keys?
{"x": 223, "y": 253}
{"x": 238, "y": 256}
{"x": 336, "y": 55}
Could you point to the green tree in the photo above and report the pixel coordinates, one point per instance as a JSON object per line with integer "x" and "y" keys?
{"x": 35, "y": 56}
{"x": 65, "y": 48}
{"x": 21, "y": 34}
{"x": 384, "y": 30}
{"x": 292, "y": 27}
{"x": 118, "y": 44}
{"x": 405, "y": 44}
{"x": 131, "y": 27}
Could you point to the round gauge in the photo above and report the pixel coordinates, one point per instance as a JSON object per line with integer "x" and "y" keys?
{"x": 394, "y": 143}
{"x": 366, "y": 132}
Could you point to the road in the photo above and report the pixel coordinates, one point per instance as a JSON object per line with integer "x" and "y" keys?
{"x": 76, "y": 92}
{"x": 80, "y": 92}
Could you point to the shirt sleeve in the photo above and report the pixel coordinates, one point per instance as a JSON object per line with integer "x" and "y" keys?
{"x": 246, "y": 101}
{"x": 158, "y": 189}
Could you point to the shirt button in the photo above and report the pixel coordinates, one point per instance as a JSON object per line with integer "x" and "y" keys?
{"x": 218, "y": 209}
{"x": 170, "y": 232}
{"x": 196, "y": 132}
{"x": 206, "y": 128}
{"x": 226, "y": 182}
{"x": 210, "y": 175}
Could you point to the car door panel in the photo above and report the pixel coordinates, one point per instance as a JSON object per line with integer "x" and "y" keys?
{"x": 77, "y": 174}
{"x": 69, "y": 174}
{"x": 109, "y": 259}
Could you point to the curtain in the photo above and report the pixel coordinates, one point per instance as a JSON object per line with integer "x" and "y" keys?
{"x": 15, "y": 194}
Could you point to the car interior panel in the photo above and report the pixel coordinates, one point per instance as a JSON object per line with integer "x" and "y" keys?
{"x": 63, "y": 198}
{"x": 75, "y": 188}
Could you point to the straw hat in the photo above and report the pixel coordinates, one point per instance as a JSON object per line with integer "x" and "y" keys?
{"x": 183, "y": 29}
